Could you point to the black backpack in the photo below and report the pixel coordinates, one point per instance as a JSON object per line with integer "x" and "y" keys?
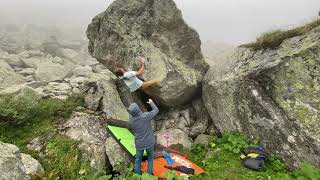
{"x": 254, "y": 157}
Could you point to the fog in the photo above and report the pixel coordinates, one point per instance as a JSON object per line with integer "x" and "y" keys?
{"x": 227, "y": 21}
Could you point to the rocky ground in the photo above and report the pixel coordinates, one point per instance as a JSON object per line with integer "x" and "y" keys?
{"x": 271, "y": 95}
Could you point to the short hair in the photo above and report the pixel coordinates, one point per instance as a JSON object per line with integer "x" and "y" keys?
{"x": 119, "y": 72}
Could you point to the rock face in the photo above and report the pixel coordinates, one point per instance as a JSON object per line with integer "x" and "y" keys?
{"x": 50, "y": 72}
{"x": 8, "y": 77}
{"x": 156, "y": 30}
{"x": 170, "y": 137}
{"x": 90, "y": 131}
{"x": 11, "y": 165}
{"x": 118, "y": 157}
{"x": 31, "y": 165}
{"x": 272, "y": 95}
{"x": 16, "y": 165}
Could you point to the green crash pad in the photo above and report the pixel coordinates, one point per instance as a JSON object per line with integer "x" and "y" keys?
{"x": 124, "y": 137}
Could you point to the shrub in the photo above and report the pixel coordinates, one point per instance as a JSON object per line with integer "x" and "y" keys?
{"x": 17, "y": 110}
{"x": 273, "y": 39}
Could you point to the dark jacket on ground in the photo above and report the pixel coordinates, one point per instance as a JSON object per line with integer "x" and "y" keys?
{"x": 140, "y": 125}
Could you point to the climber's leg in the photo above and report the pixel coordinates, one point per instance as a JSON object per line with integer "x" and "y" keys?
{"x": 150, "y": 83}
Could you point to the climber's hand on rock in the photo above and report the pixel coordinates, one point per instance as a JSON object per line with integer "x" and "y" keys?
{"x": 149, "y": 101}
{"x": 142, "y": 60}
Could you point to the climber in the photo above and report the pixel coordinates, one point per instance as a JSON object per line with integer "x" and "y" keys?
{"x": 140, "y": 125}
{"x": 131, "y": 78}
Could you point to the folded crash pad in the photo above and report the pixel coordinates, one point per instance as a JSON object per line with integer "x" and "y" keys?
{"x": 124, "y": 137}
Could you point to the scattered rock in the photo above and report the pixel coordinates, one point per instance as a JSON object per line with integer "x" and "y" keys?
{"x": 84, "y": 71}
{"x": 201, "y": 116}
{"x": 12, "y": 59}
{"x": 32, "y": 166}
{"x": 90, "y": 131}
{"x": 170, "y": 137}
{"x": 202, "y": 139}
{"x": 11, "y": 166}
{"x": 118, "y": 157}
{"x": 48, "y": 72}
{"x": 35, "y": 144}
{"x": 27, "y": 71}
{"x": 9, "y": 78}
{"x": 174, "y": 119}
{"x": 16, "y": 165}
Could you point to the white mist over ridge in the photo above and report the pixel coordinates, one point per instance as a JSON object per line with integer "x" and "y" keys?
{"x": 227, "y": 21}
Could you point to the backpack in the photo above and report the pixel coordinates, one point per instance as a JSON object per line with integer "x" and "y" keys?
{"x": 254, "y": 157}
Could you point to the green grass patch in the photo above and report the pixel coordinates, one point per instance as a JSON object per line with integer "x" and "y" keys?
{"x": 23, "y": 118}
{"x": 63, "y": 160}
{"x": 221, "y": 160}
{"x": 273, "y": 39}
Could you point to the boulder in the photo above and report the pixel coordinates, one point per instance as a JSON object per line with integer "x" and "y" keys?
{"x": 32, "y": 166}
{"x": 271, "y": 95}
{"x": 12, "y": 59}
{"x": 8, "y": 77}
{"x": 201, "y": 118}
{"x": 31, "y": 59}
{"x": 76, "y": 57}
{"x": 103, "y": 96}
{"x": 55, "y": 90}
{"x": 21, "y": 89}
{"x": 174, "y": 119}
{"x": 35, "y": 145}
{"x": 84, "y": 71}
{"x": 202, "y": 139}
{"x": 170, "y": 137}
{"x": 90, "y": 131}
{"x": 156, "y": 30}
{"x": 27, "y": 71}
{"x": 48, "y": 71}
{"x": 11, "y": 166}
{"x": 118, "y": 157}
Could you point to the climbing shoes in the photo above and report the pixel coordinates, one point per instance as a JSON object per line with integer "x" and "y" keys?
{"x": 254, "y": 157}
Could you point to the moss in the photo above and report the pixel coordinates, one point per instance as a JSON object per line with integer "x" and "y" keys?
{"x": 295, "y": 85}
{"x": 273, "y": 39}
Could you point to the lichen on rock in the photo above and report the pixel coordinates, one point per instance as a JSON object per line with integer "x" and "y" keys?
{"x": 156, "y": 30}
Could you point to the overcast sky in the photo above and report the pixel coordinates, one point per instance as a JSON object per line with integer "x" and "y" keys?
{"x": 230, "y": 21}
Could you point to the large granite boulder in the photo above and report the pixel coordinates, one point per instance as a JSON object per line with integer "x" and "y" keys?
{"x": 118, "y": 157}
{"x": 103, "y": 95}
{"x": 90, "y": 131}
{"x": 32, "y": 166}
{"x": 48, "y": 71}
{"x": 156, "y": 30}
{"x": 16, "y": 165}
{"x": 8, "y": 77}
{"x": 11, "y": 166}
{"x": 272, "y": 95}
{"x": 171, "y": 137}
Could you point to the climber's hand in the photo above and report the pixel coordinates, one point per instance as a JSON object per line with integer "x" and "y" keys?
{"x": 142, "y": 60}
{"x": 149, "y": 101}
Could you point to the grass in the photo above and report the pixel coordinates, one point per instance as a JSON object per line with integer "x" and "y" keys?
{"x": 23, "y": 118}
{"x": 221, "y": 160}
{"x": 27, "y": 117}
{"x": 273, "y": 39}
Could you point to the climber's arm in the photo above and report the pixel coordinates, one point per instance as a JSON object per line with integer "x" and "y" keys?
{"x": 141, "y": 69}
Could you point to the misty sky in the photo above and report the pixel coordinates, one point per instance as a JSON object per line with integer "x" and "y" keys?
{"x": 230, "y": 21}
